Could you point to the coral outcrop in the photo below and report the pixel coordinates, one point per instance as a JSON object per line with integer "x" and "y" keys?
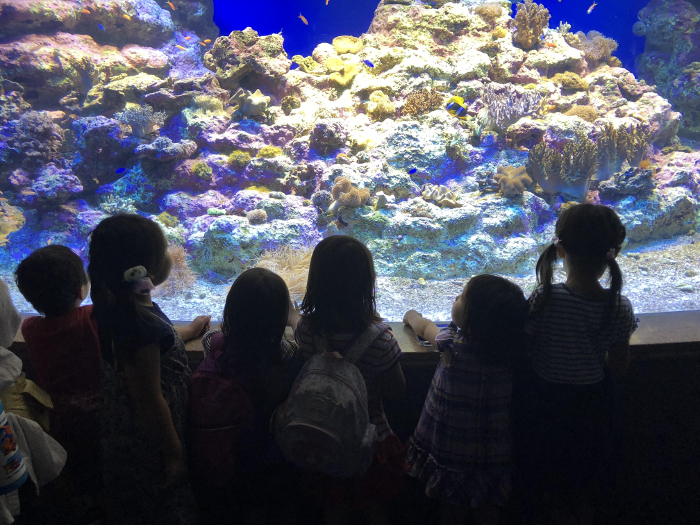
{"x": 530, "y": 20}
{"x": 422, "y": 101}
{"x": 34, "y": 139}
{"x": 512, "y": 180}
{"x": 142, "y": 120}
{"x": 164, "y": 149}
{"x": 345, "y": 194}
{"x": 250, "y": 104}
{"x": 440, "y": 195}
{"x": 507, "y": 103}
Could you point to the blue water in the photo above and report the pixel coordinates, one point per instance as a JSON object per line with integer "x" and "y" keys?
{"x": 353, "y": 17}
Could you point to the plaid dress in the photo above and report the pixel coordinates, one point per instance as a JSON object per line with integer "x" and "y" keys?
{"x": 462, "y": 447}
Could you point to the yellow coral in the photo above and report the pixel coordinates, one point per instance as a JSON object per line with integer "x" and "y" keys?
{"x": 347, "y": 44}
{"x": 489, "y": 10}
{"x": 570, "y": 80}
{"x": 267, "y": 152}
{"x": 499, "y": 32}
{"x": 587, "y": 113}
{"x": 344, "y": 79}
{"x": 334, "y": 64}
{"x": 379, "y": 106}
{"x": 11, "y": 220}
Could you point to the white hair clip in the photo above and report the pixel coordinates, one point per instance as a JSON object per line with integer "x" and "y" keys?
{"x": 135, "y": 274}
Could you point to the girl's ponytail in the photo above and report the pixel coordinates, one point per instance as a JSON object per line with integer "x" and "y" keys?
{"x": 545, "y": 272}
{"x": 615, "y": 284}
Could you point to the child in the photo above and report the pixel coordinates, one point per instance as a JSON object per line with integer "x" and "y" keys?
{"x": 580, "y": 331}
{"x": 145, "y": 375}
{"x": 249, "y": 352}
{"x": 64, "y": 350}
{"x": 338, "y": 306}
{"x": 462, "y": 447}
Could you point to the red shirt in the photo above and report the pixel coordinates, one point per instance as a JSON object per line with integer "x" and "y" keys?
{"x": 65, "y": 351}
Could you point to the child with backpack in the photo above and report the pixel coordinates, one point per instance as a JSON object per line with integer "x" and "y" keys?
{"x": 580, "y": 333}
{"x": 462, "y": 447}
{"x": 145, "y": 376}
{"x": 339, "y": 315}
{"x": 239, "y": 473}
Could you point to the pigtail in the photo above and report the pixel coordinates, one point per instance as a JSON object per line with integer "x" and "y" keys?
{"x": 545, "y": 272}
{"x": 615, "y": 289}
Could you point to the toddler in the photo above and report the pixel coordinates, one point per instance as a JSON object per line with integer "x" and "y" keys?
{"x": 145, "y": 376}
{"x": 338, "y": 306}
{"x": 580, "y": 333}
{"x": 462, "y": 447}
{"x": 64, "y": 351}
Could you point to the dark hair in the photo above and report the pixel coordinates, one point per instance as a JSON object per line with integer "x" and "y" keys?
{"x": 255, "y": 317}
{"x": 51, "y": 279}
{"x": 340, "y": 288}
{"x": 495, "y": 311}
{"x": 117, "y": 244}
{"x": 587, "y": 232}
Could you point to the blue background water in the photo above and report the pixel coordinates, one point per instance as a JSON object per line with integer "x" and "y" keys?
{"x": 352, "y": 17}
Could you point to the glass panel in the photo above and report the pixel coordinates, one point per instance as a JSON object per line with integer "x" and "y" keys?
{"x": 447, "y": 136}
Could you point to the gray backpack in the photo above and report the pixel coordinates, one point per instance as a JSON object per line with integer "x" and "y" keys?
{"x": 324, "y": 424}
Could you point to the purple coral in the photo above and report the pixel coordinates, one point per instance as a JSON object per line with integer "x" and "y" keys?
{"x": 35, "y": 137}
{"x": 329, "y": 135}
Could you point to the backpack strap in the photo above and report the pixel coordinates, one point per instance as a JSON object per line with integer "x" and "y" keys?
{"x": 362, "y": 343}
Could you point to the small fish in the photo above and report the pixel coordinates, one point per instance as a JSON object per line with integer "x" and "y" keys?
{"x": 172, "y": 6}
{"x": 120, "y": 171}
{"x": 181, "y": 47}
{"x": 303, "y": 19}
{"x": 202, "y": 44}
{"x": 48, "y": 242}
{"x": 101, "y": 27}
{"x": 591, "y": 8}
{"x": 86, "y": 11}
{"x": 126, "y": 17}
{"x": 550, "y": 44}
{"x": 207, "y": 41}
{"x": 339, "y": 218}
{"x": 411, "y": 172}
{"x": 187, "y": 37}
{"x": 368, "y": 63}
{"x": 327, "y": 2}
{"x": 456, "y": 109}
{"x": 550, "y": 108}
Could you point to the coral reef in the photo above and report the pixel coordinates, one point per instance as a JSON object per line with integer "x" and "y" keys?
{"x": 250, "y": 104}
{"x": 56, "y": 185}
{"x": 344, "y": 76}
{"x": 322, "y": 199}
{"x": 256, "y": 216}
{"x": 11, "y": 219}
{"x": 345, "y": 194}
{"x": 571, "y": 81}
{"x": 512, "y": 180}
{"x": 489, "y": 11}
{"x": 530, "y": 20}
{"x": 587, "y": 113}
{"x": 268, "y": 152}
{"x": 347, "y": 44}
{"x": 440, "y": 195}
{"x": 243, "y": 53}
{"x": 34, "y": 138}
{"x": 164, "y": 149}
{"x": 291, "y": 264}
{"x": 507, "y": 103}
{"x": 12, "y": 103}
{"x": 142, "y": 120}
{"x": 181, "y": 278}
{"x": 329, "y": 135}
{"x": 569, "y": 171}
{"x": 422, "y": 101}
{"x": 115, "y": 204}
{"x": 290, "y": 103}
{"x": 634, "y": 181}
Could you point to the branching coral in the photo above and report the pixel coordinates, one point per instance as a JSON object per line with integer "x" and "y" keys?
{"x": 142, "y": 120}
{"x": 345, "y": 194}
{"x": 531, "y": 19}
{"x": 181, "y": 278}
{"x": 36, "y": 138}
{"x": 291, "y": 264}
{"x": 567, "y": 172}
{"x": 512, "y": 180}
{"x": 618, "y": 145}
{"x": 632, "y": 143}
{"x": 587, "y": 113}
{"x": 441, "y": 195}
{"x": 506, "y": 103}
{"x": 256, "y": 216}
{"x": 422, "y": 101}
{"x": 596, "y": 46}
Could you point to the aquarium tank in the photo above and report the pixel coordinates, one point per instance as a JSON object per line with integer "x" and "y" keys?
{"x": 447, "y": 135}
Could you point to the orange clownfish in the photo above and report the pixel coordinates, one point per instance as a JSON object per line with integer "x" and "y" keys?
{"x": 127, "y": 17}
{"x": 303, "y": 19}
{"x": 87, "y": 12}
{"x": 181, "y": 47}
{"x": 172, "y": 6}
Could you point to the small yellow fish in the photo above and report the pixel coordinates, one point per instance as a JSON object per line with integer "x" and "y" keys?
{"x": 187, "y": 37}
{"x": 327, "y": 2}
{"x": 49, "y": 242}
{"x": 126, "y": 17}
{"x": 551, "y": 107}
{"x": 172, "y": 6}
{"x": 202, "y": 44}
{"x": 591, "y": 8}
{"x": 303, "y": 19}
{"x": 207, "y": 41}
{"x": 87, "y": 12}
{"x": 181, "y": 47}
{"x": 550, "y": 44}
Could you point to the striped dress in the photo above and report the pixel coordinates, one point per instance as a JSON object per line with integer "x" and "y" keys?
{"x": 571, "y": 336}
{"x": 462, "y": 447}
